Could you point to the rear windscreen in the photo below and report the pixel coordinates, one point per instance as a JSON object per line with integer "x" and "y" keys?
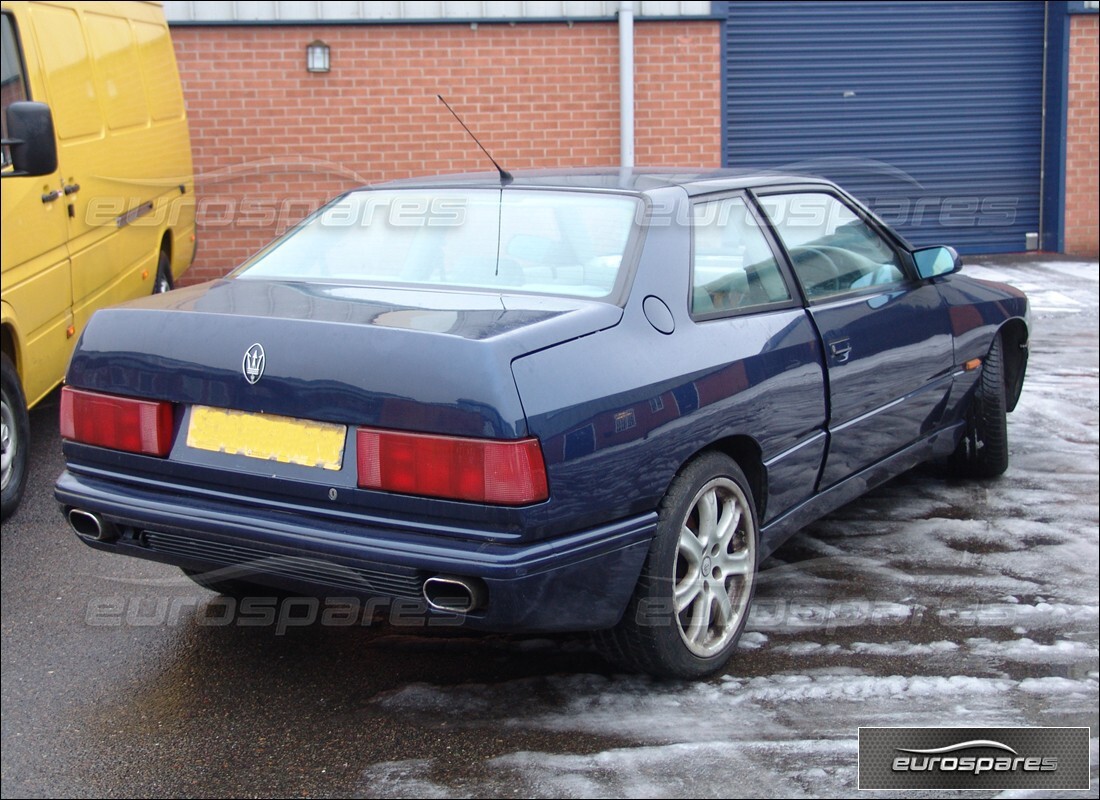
{"x": 554, "y": 242}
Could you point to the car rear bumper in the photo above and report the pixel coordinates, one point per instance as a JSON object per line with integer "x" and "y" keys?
{"x": 582, "y": 581}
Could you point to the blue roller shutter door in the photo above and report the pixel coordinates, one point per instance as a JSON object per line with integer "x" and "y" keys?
{"x": 929, "y": 112}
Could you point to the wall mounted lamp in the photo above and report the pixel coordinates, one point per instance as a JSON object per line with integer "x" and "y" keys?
{"x": 317, "y": 56}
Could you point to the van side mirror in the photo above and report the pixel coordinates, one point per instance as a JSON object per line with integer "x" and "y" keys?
{"x": 32, "y": 144}
{"x": 935, "y": 261}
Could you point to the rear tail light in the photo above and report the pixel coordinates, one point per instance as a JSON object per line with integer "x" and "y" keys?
{"x": 120, "y": 423}
{"x": 510, "y": 473}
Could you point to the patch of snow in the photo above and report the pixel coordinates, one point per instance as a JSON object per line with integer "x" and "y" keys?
{"x": 752, "y": 640}
{"x": 1027, "y": 650}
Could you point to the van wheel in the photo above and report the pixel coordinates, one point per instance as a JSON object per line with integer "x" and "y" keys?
{"x": 163, "y": 283}
{"x": 15, "y": 436}
{"x": 692, "y": 599}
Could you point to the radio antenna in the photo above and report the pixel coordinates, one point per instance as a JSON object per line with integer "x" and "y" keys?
{"x": 505, "y": 175}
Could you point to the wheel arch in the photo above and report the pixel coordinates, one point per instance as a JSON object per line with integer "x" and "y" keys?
{"x": 165, "y": 279}
{"x": 9, "y": 342}
{"x": 166, "y": 244}
{"x": 746, "y": 451}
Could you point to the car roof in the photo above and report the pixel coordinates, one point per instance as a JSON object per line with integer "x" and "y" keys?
{"x": 693, "y": 181}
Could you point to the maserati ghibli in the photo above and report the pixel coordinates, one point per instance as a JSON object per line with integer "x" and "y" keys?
{"x": 566, "y": 401}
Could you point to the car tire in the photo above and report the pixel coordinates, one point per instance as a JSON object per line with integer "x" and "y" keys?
{"x": 231, "y": 587}
{"x": 15, "y": 434}
{"x": 163, "y": 282}
{"x": 983, "y": 450}
{"x": 693, "y": 597}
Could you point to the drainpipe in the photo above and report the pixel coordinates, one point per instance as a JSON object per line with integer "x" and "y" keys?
{"x": 626, "y": 84}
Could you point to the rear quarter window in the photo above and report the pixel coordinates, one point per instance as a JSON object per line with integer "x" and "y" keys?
{"x": 733, "y": 266}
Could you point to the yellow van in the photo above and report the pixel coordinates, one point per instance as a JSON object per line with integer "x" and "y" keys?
{"x": 98, "y": 192}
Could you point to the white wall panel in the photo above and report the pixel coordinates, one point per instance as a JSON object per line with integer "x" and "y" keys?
{"x": 322, "y": 10}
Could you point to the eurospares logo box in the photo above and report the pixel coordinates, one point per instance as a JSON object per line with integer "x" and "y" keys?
{"x": 974, "y": 758}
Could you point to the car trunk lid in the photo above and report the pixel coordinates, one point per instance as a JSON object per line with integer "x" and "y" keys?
{"x": 435, "y": 362}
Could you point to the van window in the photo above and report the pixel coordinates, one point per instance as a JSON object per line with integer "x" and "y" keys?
{"x": 159, "y": 62}
{"x": 71, "y": 85}
{"x": 118, "y": 72}
{"x": 13, "y": 83}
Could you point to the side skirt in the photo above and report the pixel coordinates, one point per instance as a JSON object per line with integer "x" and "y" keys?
{"x": 936, "y": 445}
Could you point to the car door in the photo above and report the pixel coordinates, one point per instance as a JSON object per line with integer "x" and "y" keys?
{"x": 741, "y": 292}
{"x": 886, "y": 335}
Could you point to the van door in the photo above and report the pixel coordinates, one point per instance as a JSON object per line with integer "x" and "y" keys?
{"x": 37, "y": 293}
{"x": 94, "y": 199}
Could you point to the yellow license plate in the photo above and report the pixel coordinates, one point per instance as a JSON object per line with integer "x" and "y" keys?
{"x": 267, "y": 436}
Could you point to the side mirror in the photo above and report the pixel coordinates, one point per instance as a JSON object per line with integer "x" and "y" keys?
{"x": 32, "y": 142}
{"x": 935, "y": 261}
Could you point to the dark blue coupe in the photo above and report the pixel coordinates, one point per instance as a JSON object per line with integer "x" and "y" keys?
{"x": 579, "y": 401}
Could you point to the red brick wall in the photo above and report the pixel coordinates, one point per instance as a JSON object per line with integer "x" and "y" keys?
{"x": 1083, "y": 137}
{"x": 272, "y": 141}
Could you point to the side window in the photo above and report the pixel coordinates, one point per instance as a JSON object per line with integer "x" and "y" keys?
{"x": 13, "y": 83}
{"x": 733, "y": 266}
{"x": 73, "y": 95}
{"x": 832, "y": 250}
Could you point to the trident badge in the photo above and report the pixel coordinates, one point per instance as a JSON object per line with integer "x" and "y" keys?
{"x": 253, "y": 364}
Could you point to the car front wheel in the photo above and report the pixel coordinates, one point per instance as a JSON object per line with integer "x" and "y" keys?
{"x": 983, "y": 451}
{"x": 694, "y": 593}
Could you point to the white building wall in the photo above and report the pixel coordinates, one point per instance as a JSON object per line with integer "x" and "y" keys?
{"x": 417, "y": 10}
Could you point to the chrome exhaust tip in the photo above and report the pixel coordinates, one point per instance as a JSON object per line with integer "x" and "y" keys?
{"x": 91, "y": 526}
{"x": 457, "y": 595}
